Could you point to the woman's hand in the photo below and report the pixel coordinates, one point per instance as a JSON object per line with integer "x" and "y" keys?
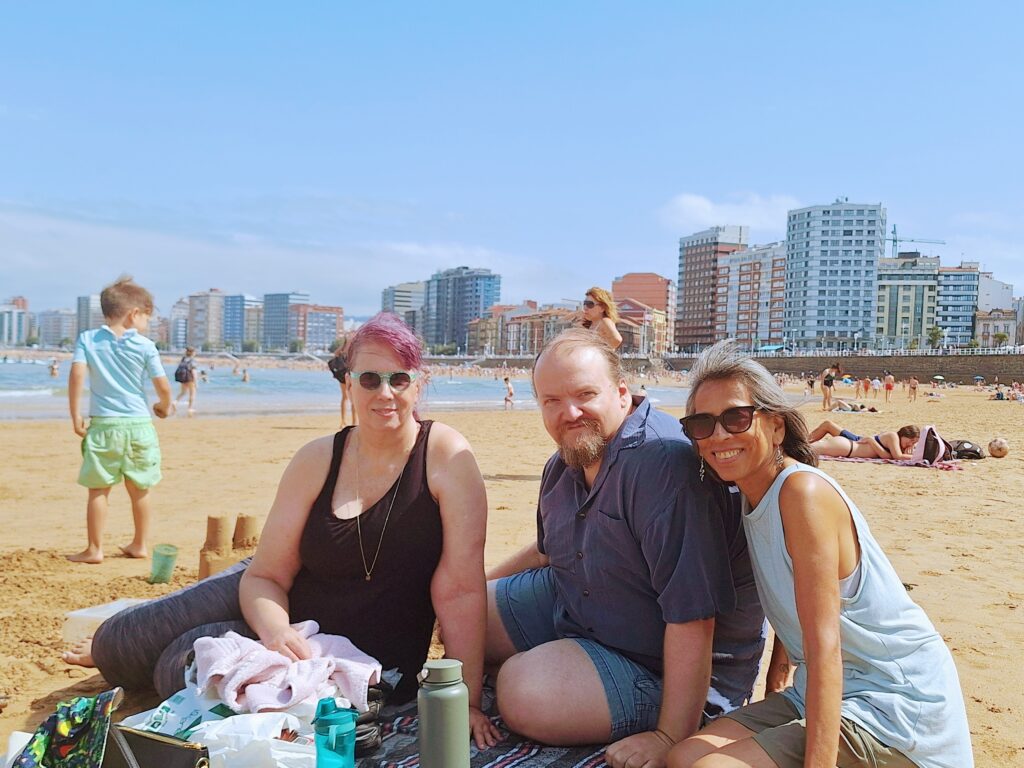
{"x": 287, "y": 642}
{"x": 482, "y": 730}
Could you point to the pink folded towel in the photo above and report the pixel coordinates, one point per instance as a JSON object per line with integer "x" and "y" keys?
{"x": 248, "y": 677}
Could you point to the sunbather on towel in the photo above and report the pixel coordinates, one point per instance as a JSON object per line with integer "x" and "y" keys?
{"x": 829, "y": 439}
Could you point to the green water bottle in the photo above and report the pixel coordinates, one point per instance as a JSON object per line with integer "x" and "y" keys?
{"x": 443, "y": 705}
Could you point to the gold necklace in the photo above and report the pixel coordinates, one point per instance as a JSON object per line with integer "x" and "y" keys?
{"x": 359, "y": 529}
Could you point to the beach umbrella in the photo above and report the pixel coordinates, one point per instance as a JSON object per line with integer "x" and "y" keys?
{"x": 979, "y": 378}
{"x": 939, "y": 378}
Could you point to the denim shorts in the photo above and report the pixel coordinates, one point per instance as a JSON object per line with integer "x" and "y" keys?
{"x": 526, "y": 602}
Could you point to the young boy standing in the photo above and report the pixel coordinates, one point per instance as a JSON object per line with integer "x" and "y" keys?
{"x": 120, "y": 440}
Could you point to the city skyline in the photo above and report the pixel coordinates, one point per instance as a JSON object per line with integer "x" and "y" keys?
{"x": 567, "y": 143}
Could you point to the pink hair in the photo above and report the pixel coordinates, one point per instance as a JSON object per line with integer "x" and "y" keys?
{"x": 388, "y": 330}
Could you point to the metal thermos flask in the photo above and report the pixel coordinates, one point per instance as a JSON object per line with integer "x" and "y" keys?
{"x": 443, "y": 705}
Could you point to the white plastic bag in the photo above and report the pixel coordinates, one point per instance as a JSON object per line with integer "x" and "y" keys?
{"x": 250, "y": 741}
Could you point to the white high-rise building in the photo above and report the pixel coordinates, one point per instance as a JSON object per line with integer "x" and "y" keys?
{"x": 90, "y": 315}
{"x": 832, "y": 254}
{"x": 56, "y": 325}
{"x": 993, "y": 294}
{"x": 402, "y": 298}
{"x": 178, "y": 331}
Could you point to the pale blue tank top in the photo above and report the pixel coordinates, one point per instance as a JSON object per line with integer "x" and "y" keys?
{"x": 899, "y": 680}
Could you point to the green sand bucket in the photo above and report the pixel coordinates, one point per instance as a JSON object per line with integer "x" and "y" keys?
{"x": 164, "y": 556}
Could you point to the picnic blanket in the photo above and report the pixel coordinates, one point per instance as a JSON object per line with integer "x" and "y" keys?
{"x": 948, "y": 466}
{"x": 399, "y": 748}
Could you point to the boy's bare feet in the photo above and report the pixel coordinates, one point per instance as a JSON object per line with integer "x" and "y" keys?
{"x": 90, "y": 556}
{"x": 80, "y": 653}
{"x": 134, "y": 551}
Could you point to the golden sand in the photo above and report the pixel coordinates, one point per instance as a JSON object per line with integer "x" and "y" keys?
{"x": 956, "y": 538}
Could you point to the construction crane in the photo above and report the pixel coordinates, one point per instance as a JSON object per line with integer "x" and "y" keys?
{"x": 896, "y": 240}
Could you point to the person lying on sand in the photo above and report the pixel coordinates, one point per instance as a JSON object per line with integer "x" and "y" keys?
{"x": 829, "y": 439}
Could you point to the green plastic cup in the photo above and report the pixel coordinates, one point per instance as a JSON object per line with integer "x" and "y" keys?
{"x": 164, "y": 556}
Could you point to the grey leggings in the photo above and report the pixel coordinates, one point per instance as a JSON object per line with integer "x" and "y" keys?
{"x": 148, "y": 645}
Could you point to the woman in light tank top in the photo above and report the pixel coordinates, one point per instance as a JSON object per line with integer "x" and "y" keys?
{"x": 874, "y": 684}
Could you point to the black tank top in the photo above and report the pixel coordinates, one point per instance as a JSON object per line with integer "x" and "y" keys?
{"x": 391, "y": 616}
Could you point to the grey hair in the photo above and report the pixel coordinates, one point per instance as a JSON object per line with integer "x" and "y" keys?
{"x": 724, "y": 361}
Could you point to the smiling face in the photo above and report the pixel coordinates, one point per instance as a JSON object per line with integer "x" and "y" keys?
{"x": 381, "y": 408}
{"x": 582, "y": 405}
{"x": 747, "y": 458}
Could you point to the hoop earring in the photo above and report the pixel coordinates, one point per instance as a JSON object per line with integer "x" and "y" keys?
{"x": 702, "y": 469}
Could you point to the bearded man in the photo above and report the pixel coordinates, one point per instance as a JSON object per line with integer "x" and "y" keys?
{"x": 634, "y": 617}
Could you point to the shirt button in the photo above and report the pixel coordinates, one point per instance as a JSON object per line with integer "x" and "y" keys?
{"x": 586, "y": 593}
{"x": 579, "y": 555}
{"x": 581, "y": 515}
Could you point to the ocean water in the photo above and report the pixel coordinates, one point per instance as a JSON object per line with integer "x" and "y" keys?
{"x": 28, "y": 392}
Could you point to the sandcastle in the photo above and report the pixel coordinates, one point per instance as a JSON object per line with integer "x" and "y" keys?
{"x": 222, "y": 548}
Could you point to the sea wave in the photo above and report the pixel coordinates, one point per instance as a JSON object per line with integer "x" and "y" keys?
{"x": 47, "y": 392}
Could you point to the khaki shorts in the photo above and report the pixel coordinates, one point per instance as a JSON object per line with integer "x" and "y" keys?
{"x": 781, "y": 733}
{"x": 115, "y": 448}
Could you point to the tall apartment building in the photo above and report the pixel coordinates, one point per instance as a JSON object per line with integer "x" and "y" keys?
{"x": 907, "y": 299}
{"x": 14, "y": 325}
{"x": 178, "y": 325}
{"x": 832, "y": 254}
{"x": 235, "y": 307}
{"x": 958, "y": 302}
{"x": 316, "y": 326}
{"x": 454, "y": 297}
{"x": 402, "y": 298}
{"x": 206, "y": 319}
{"x": 276, "y": 318}
{"x": 750, "y": 295}
{"x": 89, "y": 314}
{"x": 253, "y": 328}
{"x": 56, "y": 325}
{"x": 699, "y": 254}
{"x": 653, "y": 290}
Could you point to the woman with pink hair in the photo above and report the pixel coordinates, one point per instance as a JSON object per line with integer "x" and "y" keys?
{"x": 375, "y": 530}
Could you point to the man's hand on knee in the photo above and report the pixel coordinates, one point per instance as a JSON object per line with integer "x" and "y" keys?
{"x": 641, "y": 750}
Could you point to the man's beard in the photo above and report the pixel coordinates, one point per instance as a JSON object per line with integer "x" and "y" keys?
{"x": 583, "y": 447}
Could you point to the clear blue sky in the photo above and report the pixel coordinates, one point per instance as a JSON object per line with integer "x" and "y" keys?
{"x": 339, "y": 148}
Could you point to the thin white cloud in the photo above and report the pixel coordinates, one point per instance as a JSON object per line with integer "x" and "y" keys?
{"x": 764, "y": 214}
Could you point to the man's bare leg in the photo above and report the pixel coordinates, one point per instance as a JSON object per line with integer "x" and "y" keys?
{"x": 553, "y": 694}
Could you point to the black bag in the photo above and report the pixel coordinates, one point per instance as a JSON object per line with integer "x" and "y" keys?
{"x": 182, "y": 373}
{"x": 131, "y": 748}
{"x": 936, "y": 448}
{"x": 965, "y": 449}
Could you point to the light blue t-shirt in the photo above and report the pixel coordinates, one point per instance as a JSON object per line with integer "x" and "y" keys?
{"x": 899, "y": 680}
{"x": 118, "y": 370}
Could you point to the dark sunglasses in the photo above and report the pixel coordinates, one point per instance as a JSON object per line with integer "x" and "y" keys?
{"x": 399, "y": 381}
{"x": 589, "y": 304}
{"x": 700, "y": 426}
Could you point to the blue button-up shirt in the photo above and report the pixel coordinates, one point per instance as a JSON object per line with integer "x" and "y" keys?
{"x": 650, "y": 543}
{"x": 118, "y": 369}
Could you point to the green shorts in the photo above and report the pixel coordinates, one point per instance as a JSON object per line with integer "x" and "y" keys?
{"x": 120, "y": 447}
{"x": 781, "y": 733}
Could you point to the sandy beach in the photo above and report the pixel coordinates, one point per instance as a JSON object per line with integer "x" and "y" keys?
{"x": 954, "y": 537}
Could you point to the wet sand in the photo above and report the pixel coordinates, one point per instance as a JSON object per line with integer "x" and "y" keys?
{"x": 956, "y": 538}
